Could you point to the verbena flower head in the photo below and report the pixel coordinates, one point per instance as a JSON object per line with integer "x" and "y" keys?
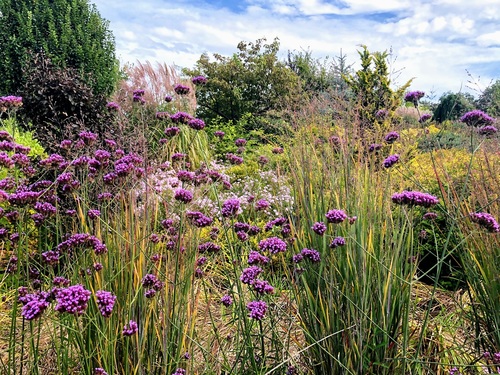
{"x": 199, "y": 80}
{"x": 273, "y": 244}
{"x": 168, "y": 98}
{"x": 485, "y": 220}
{"x": 487, "y": 130}
{"x": 248, "y": 275}
{"x": 198, "y": 219}
{"x": 170, "y": 132}
{"x": 390, "y": 161}
{"x": 414, "y": 97}
{"x": 105, "y": 302}
{"x": 208, "y": 247}
{"x": 181, "y": 89}
{"x": 424, "y": 118}
{"x": 240, "y": 142}
{"x": 257, "y": 309}
{"x": 336, "y": 216}
{"x": 374, "y": 147}
{"x": 183, "y": 195}
{"x": 130, "y": 329}
{"x": 226, "y": 300}
{"x": 138, "y": 92}
{"x": 10, "y": 102}
{"x": 181, "y": 117}
{"x": 255, "y": 258}
{"x": 34, "y": 305}
{"x": 391, "y": 137}
{"x": 100, "y": 371}
{"x": 430, "y": 216}
{"x": 311, "y": 254}
{"x": 72, "y": 300}
{"x": 262, "y": 287}
{"x": 113, "y": 106}
{"x": 196, "y": 124}
{"x": 414, "y": 198}
{"x": 278, "y": 150}
{"x": 336, "y": 242}
{"x": 230, "y": 207}
{"x": 179, "y": 371}
{"x": 477, "y": 118}
{"x": 219, "y": 134}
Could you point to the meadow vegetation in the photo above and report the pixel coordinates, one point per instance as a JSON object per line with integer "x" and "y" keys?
{"x": 249, "y": 216}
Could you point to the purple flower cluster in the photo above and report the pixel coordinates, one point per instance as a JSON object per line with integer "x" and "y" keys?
{"x": 273, "y": 244}
{"x": 310, "y": 254}
{"x": 414, "y": 96}
{"x": 198, "y": 219}
{"x": 72, "y": 300}
{"x": 137, "y": 96}
{"x": 208, "y": 247}
{"x": 152, "y": 284}
{"x": 226, "y": 300}
{"x": 219, "y": 134}
{"x": 181, "y": 118}
{"x": 230, "y": 207}
{"x": 374, "y": 147}
{"x": 113, "y": 106}
{"x": 9, "y": 102}
{"x": 255, "y": 258}
{"x": 130, "y": 329}
{"x": 196, "y": 124}
{"x": 234, "y": 159}
{"x": 33, "y": 304}
{"x": 168, "y": 98}
{"x": 199, "y": 80}
{"x": 477, "y": 118}
{"x": 483, "y": 130}
{"x": 170, "y": 132}
{"x": 183, "y": 195}
{"x": 240, "y": 142}
{"x": 82, "y": 240}
{"x": 391, "y": 137}
{"x": 179, "y": 371}
{"x": 105, "y": 302}
{"x": 414, "y": 198}
{"x": 336, "y": 216}
{"x": 390, "y": 161}
{"x": 257, "y": 309}
{"x": 425, "y": 117}
{"x": 430, "y": 216}
{"x": 277, "y": 150}
{"x": 100, "y": 371}
{"x": 181, "y": 89}
{"x": 262, "y": 286}
{"x": 336, "y": 242}
{"x": 485, "y": 220}
{"x": 248, "y": 275}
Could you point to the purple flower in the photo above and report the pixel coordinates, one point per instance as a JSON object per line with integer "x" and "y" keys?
{"x": 113, "y": 106}
{"x": 425, "y": 117}
{"x": 277, "y": 150}
{"x": 234, "y": 159}
{"x": 391, "y": 137}
{"x": 226, "y": 300}
{"x": 51, "y": 257}
{"x": 336, "y": 216}
{"x": 414, "y": 96}
{"x": 230, "y": 207}
{"x": 319, "y": 228}
{"x": 199, "y": 80}
{"x": 208, "y": 247}
{"x": 34, "y": 305}
{"x": 178, "y": 156}
{"x": 261, "y": 205}
{"x": 72, "y": 300}
{"x": 485, "y": 220}
{"x": 336, "y": 242}
{"x": 105, "y": 302}
{"x": 168, "y": 98}
{"x": 255, "y": 258}
{"x": 131, "y": 328}
{"x": 162, "y": 115}
{"x": 476, "y": 118}
{"x": 196, "y": 124}
{"x": 242, "y": 236}
{"x": 183, "y": 195}
{"x": 93, "y": 214}
{"x": 257, "y": 309}
{"x": 414, "y": 198}
{"x": 181, "y": 117}
{"x": 430, "y": 216}
{"x": 100, "y": 371}
{"x": 9, "y": 102}
{"x": 170, "y": 132}
{"x": 179, "y": 371}
{"x": 240, "y": 142}
{"x": 138, "y": 92}
{"x": 249, "y": 274}
{"x": 310, "y": 254}
{"x": 390, "y": 161}
{"x": 88, "y": 137}
{"x": 484, "y": 130}
{"x": 273, "y": 244}
{"x": 181, "y": 89}
{"x": 262, "y": 287}
{"x": 219, "y": 134}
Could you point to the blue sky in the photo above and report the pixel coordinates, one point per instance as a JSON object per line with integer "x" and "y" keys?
{"x": 436, "y": 42}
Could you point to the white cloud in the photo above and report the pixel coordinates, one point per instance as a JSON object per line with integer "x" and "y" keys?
{"x": 434, "y": 41}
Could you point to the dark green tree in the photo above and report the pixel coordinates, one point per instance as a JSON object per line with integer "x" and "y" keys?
{"x": 250, "y": 82}
{"x": 370, "y": 86}
{"x": 489, "y": 100}
{"x": 453, "y": 105}
{"x": 70, "y": 32}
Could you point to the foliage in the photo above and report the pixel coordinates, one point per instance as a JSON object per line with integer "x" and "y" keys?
{"x": 251, "y": 81}
{"x": 23, "y": 137}
{"x": 59, "y": 104}
{"x": 70, "y": 32}
{"x": 489, "y": 100}
{"x": 371, "y": 89}
{"x": 453, "y": 105}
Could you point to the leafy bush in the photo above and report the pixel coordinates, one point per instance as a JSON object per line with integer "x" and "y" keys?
{"x": 453, "y": 105}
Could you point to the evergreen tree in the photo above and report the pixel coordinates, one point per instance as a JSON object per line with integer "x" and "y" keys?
{"x": 70, "y": 32}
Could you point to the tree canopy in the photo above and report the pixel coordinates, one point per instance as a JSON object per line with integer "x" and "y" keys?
{"x": 70, "y": 32}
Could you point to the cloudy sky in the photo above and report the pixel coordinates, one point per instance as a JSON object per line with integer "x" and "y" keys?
{"x": 435, "y": 41}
